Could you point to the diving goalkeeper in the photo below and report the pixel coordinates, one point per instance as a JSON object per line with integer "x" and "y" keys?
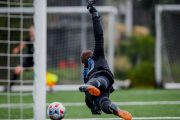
{"x": 98, "y": 78}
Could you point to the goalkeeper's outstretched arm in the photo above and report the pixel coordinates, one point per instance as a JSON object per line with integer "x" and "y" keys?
{"x": 98, "y": 31}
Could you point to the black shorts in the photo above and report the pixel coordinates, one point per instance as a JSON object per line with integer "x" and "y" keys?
{"x": 28, "y": 62}
{"x": 109, "y": 84}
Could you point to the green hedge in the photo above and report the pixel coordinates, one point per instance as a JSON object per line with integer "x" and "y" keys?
{"x": 142, "y": 75}
{"x": 140, "y": 52}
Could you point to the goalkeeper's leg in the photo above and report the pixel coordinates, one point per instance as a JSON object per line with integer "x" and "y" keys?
{"x": 14, "y": 77}
{"x": 96, "y": 110}
{"x": 110, "y": 108}
{"x": 95, "y": 86}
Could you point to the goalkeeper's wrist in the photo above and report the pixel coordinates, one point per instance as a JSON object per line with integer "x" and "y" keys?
{"x": 95, "y": 14}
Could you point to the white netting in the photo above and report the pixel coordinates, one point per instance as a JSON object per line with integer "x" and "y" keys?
{"x": 168, "y": 44}
{"x": 13, "y": 32}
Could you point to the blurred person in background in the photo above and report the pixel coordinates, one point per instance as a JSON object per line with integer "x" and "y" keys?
{"x": 98, "y": 78}
{"x": 27, "y": 61}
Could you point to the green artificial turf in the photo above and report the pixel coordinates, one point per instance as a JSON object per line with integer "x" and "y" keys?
{"x": 133, "y": 95}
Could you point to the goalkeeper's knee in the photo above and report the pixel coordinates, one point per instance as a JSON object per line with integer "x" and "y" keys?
{"x": 101, "y": 83}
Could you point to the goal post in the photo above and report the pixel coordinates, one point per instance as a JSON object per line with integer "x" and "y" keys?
{"x": 40, "y": 46}
{"x": 167, "y": 60}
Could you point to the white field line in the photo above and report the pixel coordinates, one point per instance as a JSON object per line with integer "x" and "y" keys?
{"x": 135, "y": 118}
{"x": 133, "y": 103}
{"x": 30, "y": 105}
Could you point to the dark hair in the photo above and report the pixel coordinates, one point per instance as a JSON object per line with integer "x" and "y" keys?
{"x": 85, "y": 55}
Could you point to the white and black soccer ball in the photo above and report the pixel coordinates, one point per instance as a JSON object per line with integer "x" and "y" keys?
{"x": 56, "y": 111}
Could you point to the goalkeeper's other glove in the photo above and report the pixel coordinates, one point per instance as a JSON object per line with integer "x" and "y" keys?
{"x": 90, "y": 7}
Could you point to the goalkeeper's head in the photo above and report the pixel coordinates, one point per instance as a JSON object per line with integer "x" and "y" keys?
{"x": 85, "y": 56}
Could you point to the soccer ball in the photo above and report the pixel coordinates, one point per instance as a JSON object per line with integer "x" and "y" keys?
{"x": 56, "y": 111}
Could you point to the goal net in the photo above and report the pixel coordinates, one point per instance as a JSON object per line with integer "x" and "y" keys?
{"x": 22, "y": 70}
{"x": 69, "y": 31}
{"x": 167, "y": 45}
{"x": 13, "y": 32}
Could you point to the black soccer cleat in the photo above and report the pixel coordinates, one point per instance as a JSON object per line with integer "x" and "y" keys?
{"x": 120, "y": 113}
{"x": 90, "y": 89}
